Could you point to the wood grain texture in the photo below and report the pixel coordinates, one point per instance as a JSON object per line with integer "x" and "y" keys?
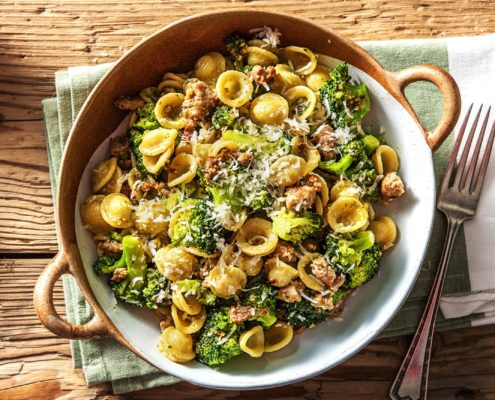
{"x": 38, "y": 37}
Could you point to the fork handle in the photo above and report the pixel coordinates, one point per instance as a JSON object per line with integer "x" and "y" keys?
{"x": 412, "y": 380}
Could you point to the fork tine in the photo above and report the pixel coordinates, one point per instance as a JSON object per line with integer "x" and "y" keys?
{"x": 455, "y": 150}
{"x": 484, "y": 162}
{"x": 460, "y": 171}
{"x": 468, "y": 182}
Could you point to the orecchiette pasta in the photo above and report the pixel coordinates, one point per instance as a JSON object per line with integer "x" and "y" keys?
{"x": 278, "y": 336}
{"x": 385, "y": 231}
{"x": 226, "y": 281}
{"x": 386, "y": 160}
{"x": 302, "y": 59}
{"x": 168, "y": 111}
{"x": 269, "y": 108}
{"x": 234, "y": 88}
{"x": 347, "y": 214}
{"x": 175, "y": 345}
{"x": 238, "y": 206}
{"x": 175, "y": 263}
{"x": 252, "y": 342}
{"x": 287, "y": 170}
{"x": 256, "y": 237}
{"x": 209, "y": 67}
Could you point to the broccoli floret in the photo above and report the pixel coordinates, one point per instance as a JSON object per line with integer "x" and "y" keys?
{"x": 303, "y": 314}
{"x": 356, "y": 255}
{"x": 218, "y": 340}
{"x": 223, "y": 116}
{"x": 145, "y": 121}
{"x": 369, "y": 266}
{"x": 259, "y": 143}
{"x": 133, "y": 258}
{"x": 354, "y": 164}
{"x": 339, "y": 296}
{"x": 115, "y": 235}
{"x": 196, "y": 227}
{"x": 261, "y": 296}
{"x": 104, "y": 265}
{"x": 295, "y": 228}
{"x": 346, "y": 104}
{"x": 155, "y": 292}
{"x": 261, "y": 200}
{"x": 236, "y": 46}
{"x": 193, "y": 287}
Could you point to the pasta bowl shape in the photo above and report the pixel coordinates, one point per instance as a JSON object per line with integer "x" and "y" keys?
{"x": 367, "y": 313}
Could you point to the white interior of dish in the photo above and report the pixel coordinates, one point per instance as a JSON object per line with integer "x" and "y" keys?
{"x": 365, "y": 314}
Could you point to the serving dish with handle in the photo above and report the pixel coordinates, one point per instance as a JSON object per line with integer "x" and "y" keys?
{"x": 175, "y": 48}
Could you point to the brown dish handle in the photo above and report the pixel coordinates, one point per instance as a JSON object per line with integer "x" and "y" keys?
{"x": 43, "y": 304}
{"x": 447, "y": 87}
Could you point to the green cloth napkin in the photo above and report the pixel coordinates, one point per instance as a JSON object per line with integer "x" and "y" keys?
{"x": 105, "y": 360}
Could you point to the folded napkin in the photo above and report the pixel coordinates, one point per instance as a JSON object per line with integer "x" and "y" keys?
{"x": 470, "y": 60}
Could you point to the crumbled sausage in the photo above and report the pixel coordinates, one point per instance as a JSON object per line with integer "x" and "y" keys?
{"x": 239, "y": 314}
{"x": 391, "y": 187}
{"x": 322, "y": 271}
{"x": 312, "y": 181}
{"x": 324, "y": 302}
{"x": 291, "y": 293}
{"x": 285, "y": 252}
{"x": 128, "y": 103}
{"x": 244, "y": 158}
{"x": 199, "y": 100}
{"x": 299, "y": 197}
{"x": 206, "y": 265}
{"x": 325, "y": 141}
{"x": 165, "y": 323}
{"x": 214, "y": 164}
{"x": 262, "y": 75}
{"x": 188, "y": 130}
{"x": 119, "y": 147}
{"x": 110, "y": 246}
{"x": 155, "y": 188}
{"x": 119, "y": 274}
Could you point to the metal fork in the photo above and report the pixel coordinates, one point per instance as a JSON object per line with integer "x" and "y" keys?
{"x": 458, "y": 199}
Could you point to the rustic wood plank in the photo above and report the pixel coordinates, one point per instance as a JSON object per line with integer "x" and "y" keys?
{"x": 33, "y": 362}
{"x": 26, "y": 205}
{"x": 37, "y": 38}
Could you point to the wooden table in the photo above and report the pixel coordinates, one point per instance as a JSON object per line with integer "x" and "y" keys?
{"x": 39, "y": 37}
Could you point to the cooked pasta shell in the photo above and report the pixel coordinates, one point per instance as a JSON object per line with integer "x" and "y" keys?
{"x": 233, "y": 221}
{"x": 318, "y": 206}
{"x": 385, "y": 231}
{"x": 134, "y": 179}
{"x": 303, "y": 60}
{"x": 345, "y": 188}
{"x": 252, "y": 342}
{"x": 91, "y": 217}
{"x": 187, "y": 304}
{"x": 182, "y": 169}
{"x": 385, "y": 159}
{"x": 175, "y": 263}
{"x": 303, "y": 266}
{"x": 251, "y": 265}
{"x": 209, "y": 67}
{"x": 170, "y": 86}
{"x": 184, "y": 148}
{"x": 201, "y": 152}
{"x": 261, "y": 43}
{"x": 302, "y": 102}
{"x": 150, "y": 216}
{"x": 221, "y": 146}
{"x": 285, "y": 79}
{"x": 168, "y": 111}
{"x": 287, "y": 170}
{"x": 102, "y": 173}
{"x": 278, "y": 336}
{"x": 157, "y": 141}
{"x": 187, "y": 323}
{"x": 269, "y": 108}
{"x": 149, "y": 94}
{"x": 155, "y": 163}
{"x": 258, "y": 56}
{"x": 116, "y": 210}
{"x": 324, "y": 192}
{"x": 256, "y": 237}
{"x": 234, "y": 88}
{"x": 318, "y": 77}
{"x": 226, "y": 281}
{"x": 200, "y": 253}
{"x": 347, "y": 214}
{"x": 371, "y": 211}
{"x": 175, "y": 345}
{"x": 114, "y": 185}
{"x": 308, "y": 152}
{"x": 279, "y": 273}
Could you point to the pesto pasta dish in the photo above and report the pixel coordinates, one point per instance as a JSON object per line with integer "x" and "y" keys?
{"x": 238, "y": 206}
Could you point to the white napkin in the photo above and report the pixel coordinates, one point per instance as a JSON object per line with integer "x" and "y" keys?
{"x": 472, "y": 64}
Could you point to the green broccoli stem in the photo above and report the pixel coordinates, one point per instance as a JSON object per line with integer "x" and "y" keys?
{"x": 337, "y": 167}
{"x": 134, "y": 259}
